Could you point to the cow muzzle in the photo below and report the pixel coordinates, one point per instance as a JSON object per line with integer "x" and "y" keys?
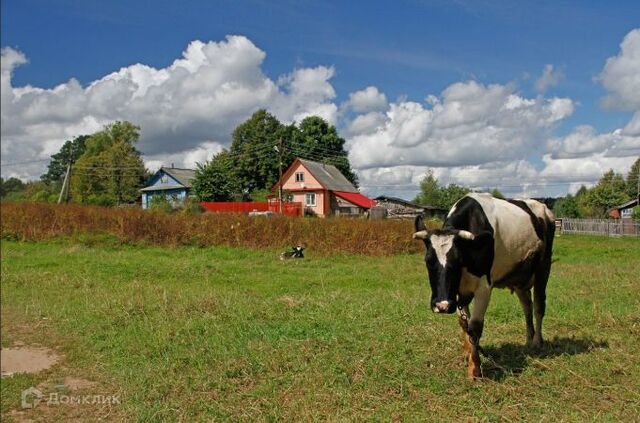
{"x": 444, "y": 307}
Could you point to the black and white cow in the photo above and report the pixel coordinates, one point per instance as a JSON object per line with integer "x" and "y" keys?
{"x": 488, "y": 243}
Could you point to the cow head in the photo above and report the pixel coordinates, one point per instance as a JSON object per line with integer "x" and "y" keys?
{"x": 449, "y": 251}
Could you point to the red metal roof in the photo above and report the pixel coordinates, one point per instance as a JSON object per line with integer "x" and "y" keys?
{"x": 356, "y": 198}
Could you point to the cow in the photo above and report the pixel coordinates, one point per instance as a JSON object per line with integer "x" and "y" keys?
{"x": 487, "y": 243}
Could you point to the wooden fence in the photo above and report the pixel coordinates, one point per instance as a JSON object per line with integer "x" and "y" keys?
{"x": 604, "y": 227}
{"x": 288, "y": 208}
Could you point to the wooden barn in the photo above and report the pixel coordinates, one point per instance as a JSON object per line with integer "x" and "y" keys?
{"x": 397, "y": 208}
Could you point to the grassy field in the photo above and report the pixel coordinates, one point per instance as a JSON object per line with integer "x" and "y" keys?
{"x": 223, "y": 333}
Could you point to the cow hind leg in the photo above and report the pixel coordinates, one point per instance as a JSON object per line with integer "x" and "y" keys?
{"x": 524, "y": 295}
{"x": 539, "y": 301}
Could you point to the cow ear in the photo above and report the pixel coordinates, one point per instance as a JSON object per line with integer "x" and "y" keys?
{"x": 419, "y": 223}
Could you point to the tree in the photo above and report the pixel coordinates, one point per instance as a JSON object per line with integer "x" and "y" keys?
{"x": 319, "y": 141}
{"x": 567, "y": 207}
{"x": 610, "y": 191}
{"x": 11, "y": 185}
{"x": 111, "y": 170}
{"x": 255, "y": 160}
{"x": 69, "y": 153}
{"x": 451, "y": 194}
{"x": 632, "y": 180}
{"x": 429, "y": 191}
{"x": 216, "y": 180}
{"x": 431, "y": 194}
{"x": 497, "y": 194}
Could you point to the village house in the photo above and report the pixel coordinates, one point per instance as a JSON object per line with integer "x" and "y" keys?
{"x": 172, "y": 183}
{"x": 322, "y": 189}
{"x": 624, "y": 211}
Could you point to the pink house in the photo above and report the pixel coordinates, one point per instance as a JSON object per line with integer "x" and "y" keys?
{"x": 322, "y": 190}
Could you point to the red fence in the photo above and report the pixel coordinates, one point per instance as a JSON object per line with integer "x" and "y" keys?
{"x": 288, "y": 209}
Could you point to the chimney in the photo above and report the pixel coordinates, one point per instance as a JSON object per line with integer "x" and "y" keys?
{"x": 171, "y": 165}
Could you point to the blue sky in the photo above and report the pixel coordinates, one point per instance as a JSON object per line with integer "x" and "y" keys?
{"x": 406, "y": 50}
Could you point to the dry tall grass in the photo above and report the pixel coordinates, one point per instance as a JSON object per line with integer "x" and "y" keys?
{"x": 37, "y": 221}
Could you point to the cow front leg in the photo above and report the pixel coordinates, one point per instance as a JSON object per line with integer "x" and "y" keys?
{"x": 474, "y": 369}
{"x": 463, "y": 321}
{"x": 482, "y": 296}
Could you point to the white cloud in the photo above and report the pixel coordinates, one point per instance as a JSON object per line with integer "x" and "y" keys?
{"x": 199, "y": 98}
{"x": 584, "y": 154}
{"x": 621, "y": 75}
{"x": 365, "y": 124}
{"x": 470, "y": 123}
{"x": 549, "y": 78}
{"x": 473, "y": 134}
{"x": 582, "y": 141}
{"x": 366, "y": 100}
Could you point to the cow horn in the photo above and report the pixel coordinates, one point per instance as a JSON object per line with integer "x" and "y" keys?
{"x": 421, "y": 235}
{"x": 466, "y": 235}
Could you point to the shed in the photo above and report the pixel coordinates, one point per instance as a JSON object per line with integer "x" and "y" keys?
{"x": 397, "y": 208}
{"x": 624, "y": 210}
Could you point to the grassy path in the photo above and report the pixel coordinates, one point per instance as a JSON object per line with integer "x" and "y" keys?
{"x": 230, "y": 334}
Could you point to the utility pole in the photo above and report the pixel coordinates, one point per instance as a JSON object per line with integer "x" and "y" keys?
{"x": 279, "y": 150}
{"x": 64, "y": 191}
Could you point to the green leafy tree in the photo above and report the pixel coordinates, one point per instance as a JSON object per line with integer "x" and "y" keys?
{"x": 567, "y": 207}
{"x": 497, "y": 194}
{"x": 610, "y": 191}
{"x": 431, "y": 194}
{"x": 69, "y": 153}
{"x": 255, "y": 159}
{"x": 216, "y": 180}
{"x": 429, "y": 191}
{"x": 11, "y": 185}
{"x": 111, "y": 170}
{"x": 450, "y": 194}
{"x": 632, "y": 180}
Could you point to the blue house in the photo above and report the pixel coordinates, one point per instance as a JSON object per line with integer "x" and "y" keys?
{"x": 169, "y": 182}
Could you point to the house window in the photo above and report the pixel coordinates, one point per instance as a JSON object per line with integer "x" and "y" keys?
{"x": 164, "y": 179}
{"x": 310, "y": 200}
{"x": 299, "y": 176}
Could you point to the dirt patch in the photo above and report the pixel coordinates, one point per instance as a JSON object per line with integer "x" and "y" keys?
{"x": 75, "y": 384}
{"x": 25, "y": 359}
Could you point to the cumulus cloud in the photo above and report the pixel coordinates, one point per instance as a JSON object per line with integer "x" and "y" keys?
{"x": 549, "y": 78}
{"x": 584, "y": 154}
{"x": 621, "y": 75}
{"x": 366, "y": 100}
{"x": 469, "y": 123}
{"x": 473, "y": 134}
{"x": 199, "y": 98}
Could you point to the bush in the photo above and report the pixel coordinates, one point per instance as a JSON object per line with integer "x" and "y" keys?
{"x": 40, "y": 221}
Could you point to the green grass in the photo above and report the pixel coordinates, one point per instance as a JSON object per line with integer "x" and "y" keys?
{"x": 233, "y": 334}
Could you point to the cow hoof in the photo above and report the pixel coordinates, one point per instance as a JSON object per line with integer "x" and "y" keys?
{"x": 536, "y": 343}
{"x": 474, "y": 373}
